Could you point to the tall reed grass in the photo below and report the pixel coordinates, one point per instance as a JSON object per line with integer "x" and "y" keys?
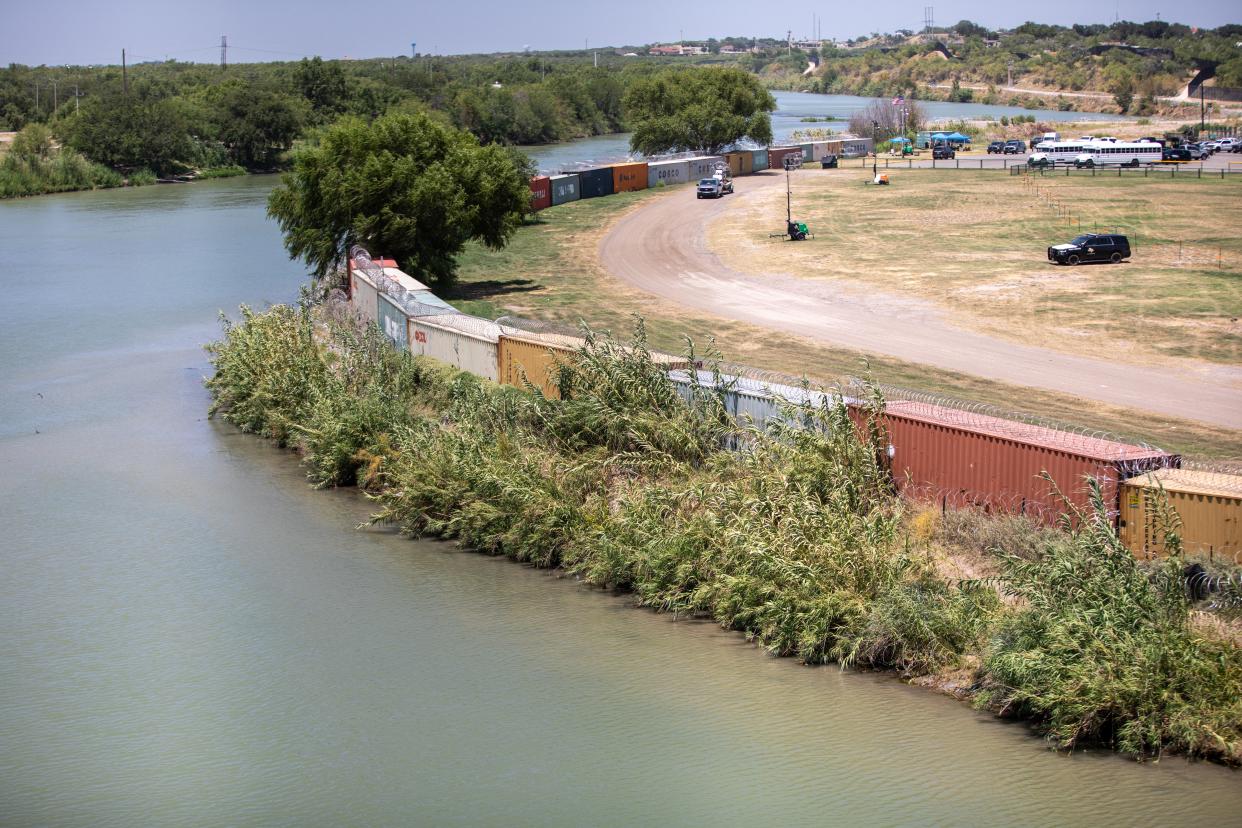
{"x": 796, "y": 540}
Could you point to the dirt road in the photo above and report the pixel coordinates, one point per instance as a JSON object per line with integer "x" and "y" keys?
{"x": 660, "y": 248}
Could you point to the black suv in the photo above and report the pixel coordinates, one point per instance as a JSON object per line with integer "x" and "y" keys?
{"x": 996, "y": 147}
{"x": 1015, "y": 147}
{"x": 941, "y": 151}
{"x": 1091, "y": 247}
{"x": 1175, "y": 154}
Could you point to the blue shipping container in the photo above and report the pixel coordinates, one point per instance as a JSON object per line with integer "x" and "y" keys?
{"x": 596, "y": 182}
{"x": 392, "y": 322}
{"x": 761, "y": 159}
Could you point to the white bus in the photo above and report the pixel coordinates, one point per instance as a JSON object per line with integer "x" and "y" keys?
{"x": 1051, "y": 153}
{"x": 1119, "y": 153}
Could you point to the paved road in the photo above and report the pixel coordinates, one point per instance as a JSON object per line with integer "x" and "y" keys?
{"x": 660, "y": 248}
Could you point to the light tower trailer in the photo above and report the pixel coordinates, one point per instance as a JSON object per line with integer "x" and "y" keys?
{"x": 794, "y": 230}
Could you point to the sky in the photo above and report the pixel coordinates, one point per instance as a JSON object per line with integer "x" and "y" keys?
{"x": 94, "y": 31}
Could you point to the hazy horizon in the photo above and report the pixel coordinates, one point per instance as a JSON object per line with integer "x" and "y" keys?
{"x": 89, "y": 34}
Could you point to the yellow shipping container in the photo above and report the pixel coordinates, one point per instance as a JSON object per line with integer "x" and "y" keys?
{"x": 740, "y": 163}
{"x": 1208, "y": 503}
{"x": 534, "y": 356}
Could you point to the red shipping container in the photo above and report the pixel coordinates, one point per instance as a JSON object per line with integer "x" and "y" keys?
{"x": 540, "y": 193}
{"x": 776, "y": 156}
{"x": 963, "y": 458}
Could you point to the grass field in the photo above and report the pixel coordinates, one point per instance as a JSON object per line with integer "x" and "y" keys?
{"x": 975, "y": 243}
{"x": 551, "y": 271}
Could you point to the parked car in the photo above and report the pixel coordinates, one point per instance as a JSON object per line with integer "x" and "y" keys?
{"x": 710, "y": 188}
{"x": 1175, "y": 154}
{"x": 1015, "y": 147}
{"x": 1228, "y": 144}
{"x": 1091, "y": 247}
{"x": 941, "y": 151}
{"x": 1197, "y": 153}
{"x": 996, "y": 148}
{"x": 828, "y": 162}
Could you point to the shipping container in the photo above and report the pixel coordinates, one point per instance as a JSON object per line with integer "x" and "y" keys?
{"x": 362, "y": 295}
{"x": 855, "y": 147}
{"x": 808, "y": 151}
{"x": 420, "y": 303}
{"x": 540, "y": 193}
{"x": 533, "y": 357}
{"x": 960, "y": 458}
{"x": 750, "y": 401}
{"x": 1209, "y": 505}
{"x": 776, "y": 156}
{"x": 565, "y": 188}
{"x": 702, "y": 166}
{"x": 392, "y": 321}
{"x": 822, "y": 149}
{"x": 740, "y": 163}
{"x": 759, "y": 160}
{"x": 627, "y": 178}
{"x": 465, "y": 342}
{"x": 596, "y": 182}
{"x": 667, "y": 173}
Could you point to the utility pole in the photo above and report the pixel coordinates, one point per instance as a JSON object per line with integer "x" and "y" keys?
{"x": 124, "y": 76}
{"x": 224, "y": 51}
{"x": 75, "y": 99}
{"x": 55, "y": 97}
{"x": 36, "y": 86}
{"x": 1202, "y": 118}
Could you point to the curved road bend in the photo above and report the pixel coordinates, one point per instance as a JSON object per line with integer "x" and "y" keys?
{"x": 660, "y": 248}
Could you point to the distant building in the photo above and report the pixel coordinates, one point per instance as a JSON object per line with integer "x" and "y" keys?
{"x": 677, "y": 49}
{"x": 664, "y": 50}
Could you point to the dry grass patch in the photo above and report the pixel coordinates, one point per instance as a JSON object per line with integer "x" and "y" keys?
{"x": 974, "y": 242}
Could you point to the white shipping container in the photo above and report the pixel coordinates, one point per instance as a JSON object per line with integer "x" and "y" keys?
{"x": 668, "y": 173}
{"x": 465, "y": 342}
{"x": 362, "y": 295}
{"x": 703, "y": 166}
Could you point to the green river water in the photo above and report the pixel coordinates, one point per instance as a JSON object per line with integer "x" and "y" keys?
{"x": 192, "y": 636}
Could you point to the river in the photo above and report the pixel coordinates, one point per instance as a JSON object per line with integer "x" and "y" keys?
{"x": 194, "y": 637}
{"x": 791, "y": 108}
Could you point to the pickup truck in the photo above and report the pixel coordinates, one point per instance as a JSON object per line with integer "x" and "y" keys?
{"x": 710, "y": 188}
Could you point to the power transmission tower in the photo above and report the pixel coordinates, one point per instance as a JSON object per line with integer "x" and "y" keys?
{"x": 929, "y": 18}
{"x": 224, "y": 51}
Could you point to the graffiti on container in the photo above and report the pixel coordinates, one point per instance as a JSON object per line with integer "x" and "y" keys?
{"x": 393, "y": 330}
{"x": 419, "y": 336}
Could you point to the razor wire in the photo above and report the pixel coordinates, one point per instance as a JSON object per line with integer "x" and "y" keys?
{"x": 408, "y": 300}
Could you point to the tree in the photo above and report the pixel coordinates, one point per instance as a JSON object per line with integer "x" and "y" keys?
{"x": 323, "y": 85}
{"x": 1123, "y": 93}
{"x": 256, "y": 124}
{"x": 128, "y": 132}
{"x": 404, "y": 186}
{"x": 701, "y": 110}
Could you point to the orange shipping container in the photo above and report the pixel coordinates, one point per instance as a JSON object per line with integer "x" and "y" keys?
{"x": 964, "y": 458}
{"x": 629, "y": 177}
{"x": 776, "y": 156}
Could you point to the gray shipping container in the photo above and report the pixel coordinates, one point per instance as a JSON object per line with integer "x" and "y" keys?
{"x": 703, "y": 166}
{"x": 668, "y": 173}
{"x": 565, "y": 188}
{"x": 749, "y": 399}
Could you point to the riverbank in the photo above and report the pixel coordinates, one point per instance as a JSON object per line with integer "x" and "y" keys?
{"x": 797, "y": 544}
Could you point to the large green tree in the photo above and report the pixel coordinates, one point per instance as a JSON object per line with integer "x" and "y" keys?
{"x": 403, "y": 186}
{"x": 256, "y": 125}
{"x": 130, "y": 131}
{"x": 700, "y": 110}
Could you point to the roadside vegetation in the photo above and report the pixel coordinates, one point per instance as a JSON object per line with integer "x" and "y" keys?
{"x": 797, "y": 542}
